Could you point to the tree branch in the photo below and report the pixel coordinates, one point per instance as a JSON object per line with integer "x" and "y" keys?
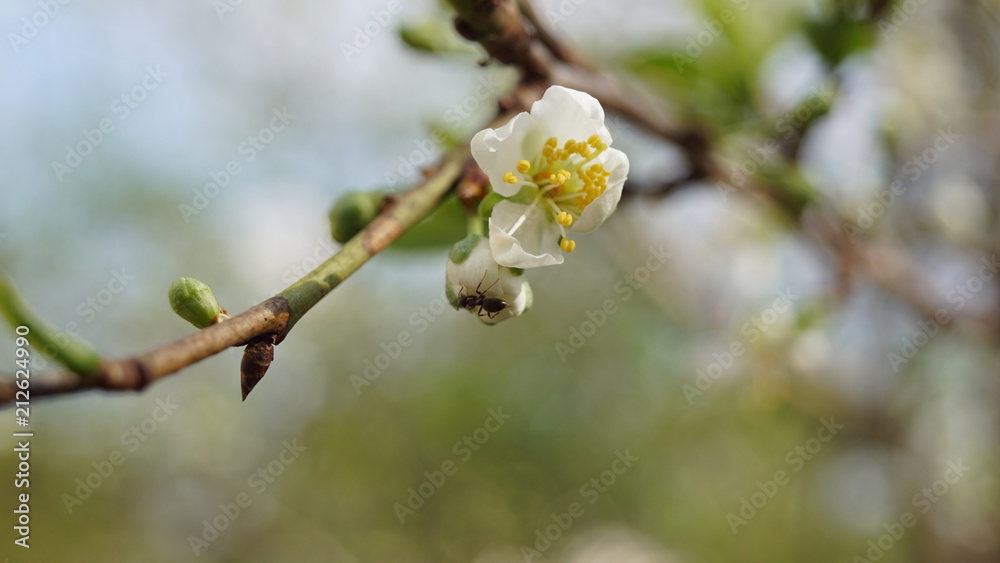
{"x": 275, "y": 316}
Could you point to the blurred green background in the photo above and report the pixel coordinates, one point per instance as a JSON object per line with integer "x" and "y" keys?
{"x": 739, "y": 465}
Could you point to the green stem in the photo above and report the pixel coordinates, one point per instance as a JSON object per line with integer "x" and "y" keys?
{"x": 64, "y": 348}
{"x": 477, "y": 226}
{"x": 407, "y": 211}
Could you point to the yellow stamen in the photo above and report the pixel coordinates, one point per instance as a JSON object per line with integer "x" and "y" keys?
{"x": 510, "y": 178}
{"x": 567, "y": 245}
{"x": 594, "y": 140}
{"x": 559, "y": 178}
{"x": 523, "y": 166}
{"x": 564, "y": 219}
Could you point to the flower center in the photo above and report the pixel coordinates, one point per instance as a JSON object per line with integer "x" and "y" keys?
{"x": 565, "y": 180}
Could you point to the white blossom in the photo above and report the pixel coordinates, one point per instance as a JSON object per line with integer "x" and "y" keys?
{"x": 557, "y": 173}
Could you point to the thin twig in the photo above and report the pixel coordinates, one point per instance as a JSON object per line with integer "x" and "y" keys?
{"x": 558, "y": 49}
{"x": 499, "y": 27}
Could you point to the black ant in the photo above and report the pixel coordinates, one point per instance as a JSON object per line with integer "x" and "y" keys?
{"x": 491, "y": 305}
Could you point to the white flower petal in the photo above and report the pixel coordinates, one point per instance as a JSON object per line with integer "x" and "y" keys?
{"x": 497, "y": 151}
{"x": 615, "y": 162}
{"x": 535, "y": 240}
{"x": 570, "y": 114}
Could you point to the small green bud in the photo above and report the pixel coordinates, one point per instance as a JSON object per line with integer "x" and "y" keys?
{"x": 352, "y": 212}
{"x": 194, "y": 302}
{"x": 463, "y": 248}
{"x": 435, "y": 35}
{"x": 530, "y": 296}
{"x": 449, "y": 293}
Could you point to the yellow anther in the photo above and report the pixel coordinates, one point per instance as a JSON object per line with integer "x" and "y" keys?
{"x": 567, "y": 245}
{"x": 552, "y": 142}
{"x": 547, "y": 151}
{"x": 564, "y": 219}
{"x": 510, "y": 178}
{"x": 569, "y": 145}
{"x": 523, "y": 166}
{"x": 559, "y": 178}
{"x": 594, "y": 140}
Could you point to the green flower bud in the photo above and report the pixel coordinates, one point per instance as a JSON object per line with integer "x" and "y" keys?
{"x": 529, "y": 296}
{"x": 435, "y": 35}
{"x": 352, "y": 212}
{"x": 449, "y": 293}
{"x": 461, "y": 250}
{"x": 194, "y": 302}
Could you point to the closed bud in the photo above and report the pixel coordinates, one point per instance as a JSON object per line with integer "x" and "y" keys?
{"x": 476, "y": 283}
{"x": 529, "y": 296}
{"x": 352, "y": 212}
{"x": 434, "y": 35}
{"x": 194, "y": 302}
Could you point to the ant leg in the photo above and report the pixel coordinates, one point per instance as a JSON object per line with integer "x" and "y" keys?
{"x": 491, "y": 285}
{"x": 486, "y": 271}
